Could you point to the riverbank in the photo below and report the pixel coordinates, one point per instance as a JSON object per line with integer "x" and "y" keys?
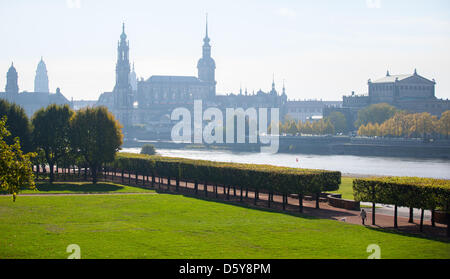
{"x": 327, "y": 145}
{"x": 353, "y": 166}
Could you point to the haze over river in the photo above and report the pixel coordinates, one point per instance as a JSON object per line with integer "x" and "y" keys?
{"x": 358, "y": 165}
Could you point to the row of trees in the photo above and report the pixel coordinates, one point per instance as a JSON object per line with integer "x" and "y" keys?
{"x": 415, "y": 125}
{"x": 260, "y": 178}
{"x": 60, "y": 136}
{"x": 412, "y": 192}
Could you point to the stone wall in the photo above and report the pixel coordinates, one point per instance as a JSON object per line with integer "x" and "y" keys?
{"x": 336, "y": 201}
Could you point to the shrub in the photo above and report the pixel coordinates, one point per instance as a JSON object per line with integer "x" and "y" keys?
{"x": 425, "y": 193}
{"x": 148, "y": 149}
{"x": 258, "y": 177}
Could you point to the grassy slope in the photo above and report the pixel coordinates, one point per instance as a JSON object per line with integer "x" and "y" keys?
{"x": 170, "y": 226}
{"x": 346, "y": 188}
{"x": 82, "y": 187}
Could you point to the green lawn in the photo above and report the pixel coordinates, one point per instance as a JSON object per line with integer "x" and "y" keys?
{"x": 82, "y": 188}
{"x": 174, "y": 226}
{"x": 346, "y": 188}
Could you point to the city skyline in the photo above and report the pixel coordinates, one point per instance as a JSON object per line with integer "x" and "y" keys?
{"x": 83, "y": 69}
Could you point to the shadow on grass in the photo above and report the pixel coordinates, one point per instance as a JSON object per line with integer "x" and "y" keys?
{"x": 78, "y": 187}
{"x": 414, "y": 232}
{"x": 248, "y": 204}
{"x": 291, "y": 211}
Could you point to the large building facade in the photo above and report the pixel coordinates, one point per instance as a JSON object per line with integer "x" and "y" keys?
{"x": 151, "y": 103}
{"x": 32, "y": 101}
{"x": 410, "y": 92}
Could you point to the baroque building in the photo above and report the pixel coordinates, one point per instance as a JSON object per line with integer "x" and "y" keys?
{"x": 149, "y": 104}
{"x": 410, "y": 92}
{"x": 32, "y": 101}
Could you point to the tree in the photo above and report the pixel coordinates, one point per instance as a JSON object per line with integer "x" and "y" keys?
{"x": 444, "y": 124}
{"x": 339, "y": 121}
{"x": 16, "y": 171}
{"x": 51, "y": 133}
{"x": 329, "y": 128}
{"x": 377, "y": 113}
{"x": 96, "y": 135}
{"x": 17, "y": 124}
{"x": 148, "y": 149}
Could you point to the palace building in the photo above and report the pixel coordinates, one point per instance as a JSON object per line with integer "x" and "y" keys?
{"x": 410, "y": 92}
{"x": 151, "y": 103}
{"x": 32, "y": 101}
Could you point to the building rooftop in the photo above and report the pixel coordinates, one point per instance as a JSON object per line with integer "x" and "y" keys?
{"x": 180, "y": 79}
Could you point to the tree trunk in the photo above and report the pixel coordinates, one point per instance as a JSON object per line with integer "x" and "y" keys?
{"x": 256, "y": 196}
{"x": 433, "y": 223}
{"x": 373, "y": 213}
{"x": 317, "y": 200}
{"x": 51, "y": 173}
{"x": 421, "y": 219}
{"x": 300, "y": 202}
{"x": 206, "y": 189}
{"x": 37, "y": 171}
{"x": 94, "y": 174}
{"x": 268, "y": 200}
{"x": 395, "y": 217}
{"x": 177, "y": 186}
{"x": 240, "y": 194}
{"x": 196, "y": 187}
{"x": 448, "y": 223}
{"x": 284, "y": 202}
{"x": 411, "y": 215}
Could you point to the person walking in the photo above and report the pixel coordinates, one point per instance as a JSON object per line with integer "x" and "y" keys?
{"x": 363, "y": 215}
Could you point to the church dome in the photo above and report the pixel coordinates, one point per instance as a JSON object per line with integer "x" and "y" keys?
{"x": 12, "y": 70}
{"x": 41, "y": 66}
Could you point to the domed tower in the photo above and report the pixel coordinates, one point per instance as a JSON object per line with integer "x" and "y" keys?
{"x": 11, "y": 81}
{"x": 133, "y": 79}
{"x": 206, "y": 65}
{"x": 41, "y": 78}
{"x": 123, "y": 92}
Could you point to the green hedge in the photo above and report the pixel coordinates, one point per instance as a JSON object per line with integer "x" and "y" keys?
{"x": 257, "y": 177}
{"x": 415, "y": 192}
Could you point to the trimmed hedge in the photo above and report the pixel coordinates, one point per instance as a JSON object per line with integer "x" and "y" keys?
{"x": 414, "y": 192}
{"x": 268, "y": 178}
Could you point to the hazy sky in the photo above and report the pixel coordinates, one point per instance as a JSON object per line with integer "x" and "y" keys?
{"x": 322, "y": 49}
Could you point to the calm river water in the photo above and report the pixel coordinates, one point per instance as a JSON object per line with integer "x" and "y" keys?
{"x": 434, "y": 168}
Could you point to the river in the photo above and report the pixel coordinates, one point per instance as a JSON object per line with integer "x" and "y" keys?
{"x": 348, "y": 165}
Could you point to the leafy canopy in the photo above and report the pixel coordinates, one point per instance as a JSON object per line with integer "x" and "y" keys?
{"x": 16, "y": 171}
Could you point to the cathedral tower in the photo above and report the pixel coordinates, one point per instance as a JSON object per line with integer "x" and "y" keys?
{"x": 12, "y": 86}
{"x": 41, "y": 78}
{"x": 123, "y": 93}
{"x": 206, "y": 65}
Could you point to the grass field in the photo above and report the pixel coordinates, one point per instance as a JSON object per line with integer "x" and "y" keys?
{"x": 173, "y": 226}
{"x": 346, "y": 188}
{"x": 82, "y": 188}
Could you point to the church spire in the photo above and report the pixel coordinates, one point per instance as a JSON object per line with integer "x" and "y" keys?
{"x": 11, "y": 80}
{"x": 41, "y": 78}
{"x": 206, "y": 66}
{"x": 206, "y": 25}
{"x": 123, "y": 63}
{"x": 273, "y": 81}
